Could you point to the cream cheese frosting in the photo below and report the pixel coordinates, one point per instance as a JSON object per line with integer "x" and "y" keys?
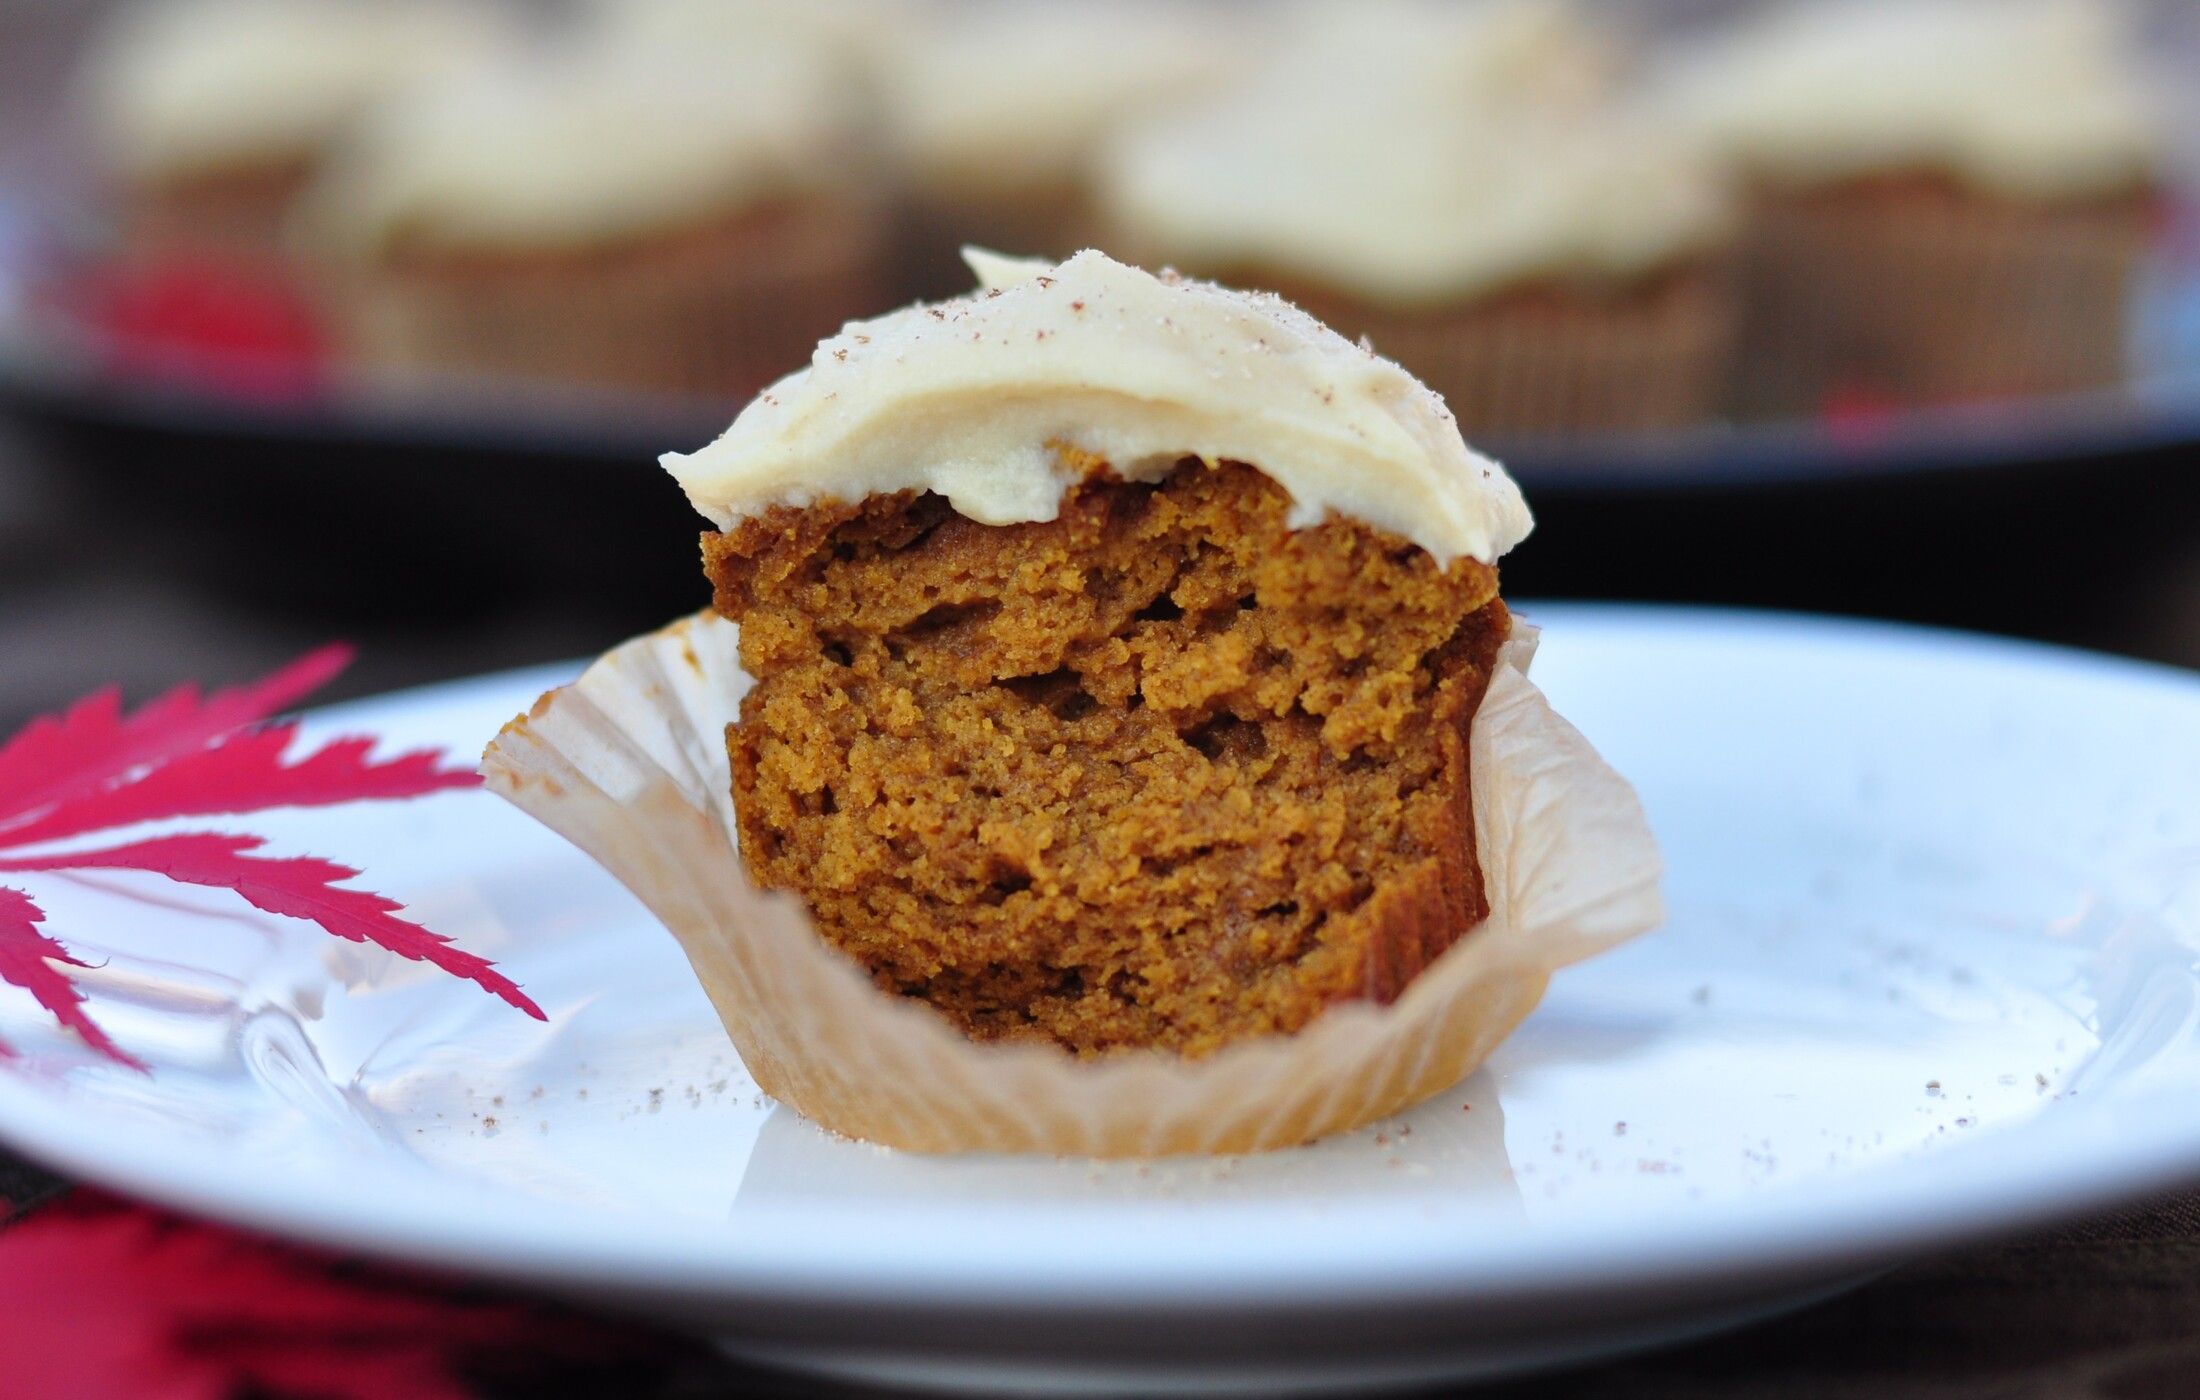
{"x": 180, "y": 87}
{"x": 2033, "y": 98}
{"x": 1007, "y": 94}
{"x": 866, "y": 33}
{"x": 988, "y": 398}
{"x": 1547, "y": 53}
{"x": 588, "y": 143}
{"x": 1438, "y": 153}
{"x": 1460, "y": 204}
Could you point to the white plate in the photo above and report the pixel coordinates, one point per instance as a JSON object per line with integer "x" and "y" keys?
{"x": 1930, "y": 973}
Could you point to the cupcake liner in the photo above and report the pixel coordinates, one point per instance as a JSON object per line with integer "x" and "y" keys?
{"x": 1550, "y": 360}
{"x": 232, "y": 216}
{"x": 718, "y": 312}
{"x": 1922, "y": 292}
{"x": 629, "y": 764}
{"x": 1555, "y": 362}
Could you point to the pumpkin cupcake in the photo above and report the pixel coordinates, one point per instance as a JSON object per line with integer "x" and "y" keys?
{"x": 1948, "y": 199}
{"x": 1542, "y": 258}
{"x": 1122, "y": 748}
{"x": 621, "y": 214}
{"x": 209, "y": 116}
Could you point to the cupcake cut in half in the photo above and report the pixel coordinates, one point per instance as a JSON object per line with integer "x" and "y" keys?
{"x": 1116, "y": 641}
{"x": 1122, "y": 749}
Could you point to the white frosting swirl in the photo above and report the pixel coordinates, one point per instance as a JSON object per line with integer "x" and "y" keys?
{"x": 981, "y": 398}
{"x": 2027, "y": 97}
{"x": 179, "y": 87}
{"x": 586, "y": 144}
{"x": 1436, "y": 153}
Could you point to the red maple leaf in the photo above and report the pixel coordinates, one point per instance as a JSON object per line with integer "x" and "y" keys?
{"x": 95, "y": 767}
{"x": 206, "y": 322}
{"x": 104, "y": 1300}
{"x": 34, "y": 962}
{"x": 94, "y": 744}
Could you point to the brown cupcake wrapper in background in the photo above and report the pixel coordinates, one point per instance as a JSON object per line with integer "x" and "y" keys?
{"x": 237, "y": 216}
{"x": 629, "y": 764}
{"x": 1551, "y": 361}
{"x": 1919, "y": 291}
{"x": 719, "y": 311}
{"x": 1544, "y": 359}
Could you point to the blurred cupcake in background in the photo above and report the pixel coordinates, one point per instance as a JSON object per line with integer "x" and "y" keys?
{"x": 995, "y": 111}
{"x": 1549, "y": 54}
{"x": 1477, "y": 201}
{"x": 607, "y": 211}
{"x": 208, "y": 117}
{"x": 863, "y": 34}
{"x": 1947, "y": 199}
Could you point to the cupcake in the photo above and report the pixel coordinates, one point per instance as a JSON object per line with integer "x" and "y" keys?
{"x": 1121, "y": 746}
{"x": 209, "y": 116}
{"x": 866, "y": 34}
{"x": 994, "y": 114}
{"x": 1949, "y": 199}
{"x": 1549, "y": 54}
{"x": 620, "y": 214}
{"x": 1541, "y": 257}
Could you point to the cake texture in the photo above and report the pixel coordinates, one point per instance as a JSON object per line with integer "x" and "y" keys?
{"x": 1158, "y": 772}
{"x": 1108, "y": 737}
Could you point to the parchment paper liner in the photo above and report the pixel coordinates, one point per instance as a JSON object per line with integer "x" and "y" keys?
{"x": 1629, "y": 362}
{"x": 1863, "y": 290}
{"x": 629, "y": 764}
{"x": 716, "y": 312}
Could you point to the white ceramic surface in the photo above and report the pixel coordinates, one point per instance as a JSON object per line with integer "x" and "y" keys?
{"x": 1930, "y": 974}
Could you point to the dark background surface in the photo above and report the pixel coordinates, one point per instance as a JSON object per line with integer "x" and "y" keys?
{"x": 143, "y": 559}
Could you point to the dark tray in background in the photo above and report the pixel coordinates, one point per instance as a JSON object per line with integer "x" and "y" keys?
{"x": 2043, "y": 518}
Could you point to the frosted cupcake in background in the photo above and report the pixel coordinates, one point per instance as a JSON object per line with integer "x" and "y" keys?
{"x": 209, "y": 116}
{"x": 607, "y": 212}
{"x": 994, "y": 114}
{"x": 1477, "y": 203}
{"x": 1948, "y": 198}
{"x": 865, "y": 34}
{"x": 1553, "y": 55}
